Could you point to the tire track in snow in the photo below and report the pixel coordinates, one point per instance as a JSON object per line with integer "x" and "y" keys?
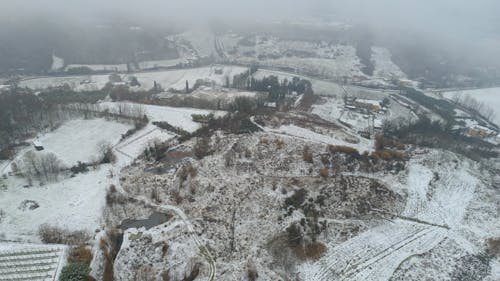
{"x": 343, "y": 262}
{"x": 378, "y": 252}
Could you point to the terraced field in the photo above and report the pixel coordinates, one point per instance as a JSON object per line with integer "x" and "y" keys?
{"x": 29, "y": 262}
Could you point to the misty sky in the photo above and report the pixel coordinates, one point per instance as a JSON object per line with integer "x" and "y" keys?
{"x": 456, "y": 22}
{"x": 440, "y": 14}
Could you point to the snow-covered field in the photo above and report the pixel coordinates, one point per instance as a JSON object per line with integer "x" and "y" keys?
{"x": 384, "y": 66}
{"x": 160, "y": 63}
{"x": 79, "y": 140}
{"x": 166, "y": 79}
{"x": 78, "y": 83}
{"x": 99, "y": 67}
{"x": 133, "y": 147}
{"x": 177, "y": 78}
{"x": 73, "y": 203}
{"x": 489, "y": 96}
{"x": 213, "y": 94}
{"x": 175, "y": 116}
{"x": 76, "y": 202}
{"x": 347, "y": 66}
{"x": 440, "y": 204}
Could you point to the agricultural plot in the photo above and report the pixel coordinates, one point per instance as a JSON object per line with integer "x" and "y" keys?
{"x": 175, "y": 116}
{"x": 27, "y": 262}
{"x": 77, "y": 83}
{"x": 79, "y": 140}
{"x": 99, "y": 67}
{"x": 176, "y": 79}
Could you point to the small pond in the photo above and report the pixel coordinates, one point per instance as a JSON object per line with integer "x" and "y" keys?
{"x": 152, "y": 221}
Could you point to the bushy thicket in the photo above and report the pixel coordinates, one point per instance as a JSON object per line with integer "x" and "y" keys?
{"x": 434, "y": 134}
{"x": 40, "y": 166}
{"x": 75, "y": 272}
{"x": 56, "y": 235}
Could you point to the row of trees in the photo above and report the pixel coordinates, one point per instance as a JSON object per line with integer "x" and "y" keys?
{"x": 271, "y": 84}
{"x": 474, "y": 106}
{"x": 23, "y": 114}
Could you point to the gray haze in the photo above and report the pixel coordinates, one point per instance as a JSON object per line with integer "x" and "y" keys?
{"x": 462, "y": 26}
{"x": 443, "y": 15}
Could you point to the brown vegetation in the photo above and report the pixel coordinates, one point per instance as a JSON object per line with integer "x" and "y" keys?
{"x": 80, "y": 254}
{"x": 279, "y": 143}
{"x": 307, "y": 154}
{"x": 55, "y": 235}
{"x": 310, "y": 251}
{"x": 388, "y": 155}
{"x": 494, "y": 246}
{"x": 323, "y": 172}
{"x": 343, "y": 149}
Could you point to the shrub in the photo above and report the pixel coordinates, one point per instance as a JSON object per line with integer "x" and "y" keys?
{"x": 75, "y": 272}
{"x": 494, "y": 246}
{"x": 243, "y": 105}
{"x": 187, "y": 170}
{"x": 80, "y": 167}
{"x": 307, "y": 154}
{"x": 312, "y": 251}
{"x": 324, "y": 173}
{"x": 176, "y": 195}
{"x": 296, "y": 200}
{"x": 382, "y": 142}
{"x": 343, "y": 149}
{"x": 388, "y": 155}
{"x": 202, "y": 118}
{"x": 55, "y": 235}
{"x": 279, "y": 143}
{"x": 157, "y": 151}
{"x": 167, "y": 126}
{"x": 113, "y": 197}
{"x": 252, "y": 273}
{"x": 106, "y": 152}
{"x": 194, "y": 271}
{"x": 80, "y": 254}
{"x": 264, "y": 141}
{"x": 138, "y": 125}
{"x": 202, "y": 147}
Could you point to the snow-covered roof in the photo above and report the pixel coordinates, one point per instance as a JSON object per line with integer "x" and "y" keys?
{"x": 365, "y": 101}
{"x": 37, "y": 143}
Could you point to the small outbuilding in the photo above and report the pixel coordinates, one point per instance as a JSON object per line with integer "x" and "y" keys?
{"x": 38, "y": 145}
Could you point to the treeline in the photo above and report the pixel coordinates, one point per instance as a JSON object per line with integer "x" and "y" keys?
{"x": 23, "y": 114}
{"x": 272, "y": 85}
{"x": 478, "y": 109}
{"x": 435, "y": 134}
{"x": 442, "y": 107}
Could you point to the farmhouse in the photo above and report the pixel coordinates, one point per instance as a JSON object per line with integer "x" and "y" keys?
{"x": 371, "y": 105}
{"x": 362, "y": 105}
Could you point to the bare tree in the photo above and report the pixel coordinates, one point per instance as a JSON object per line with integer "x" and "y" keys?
{"x": 40, "y": 166}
